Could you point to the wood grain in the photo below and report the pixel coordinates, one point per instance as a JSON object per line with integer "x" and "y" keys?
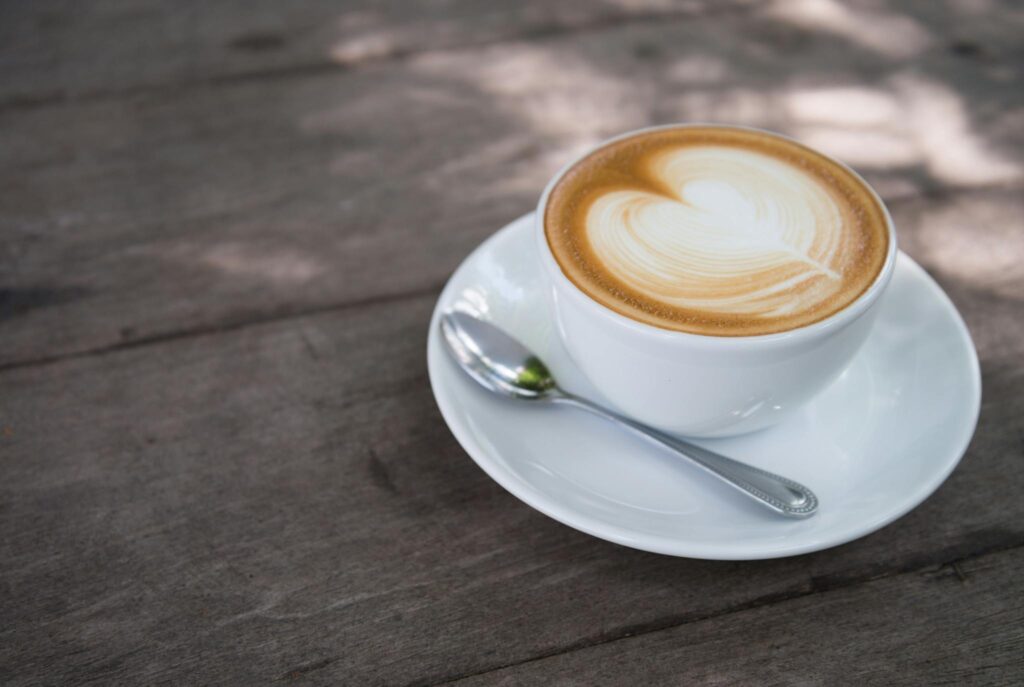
{"x": 285, "y": 499}
{"x": 58, "y": 50}
{"x": 150, "y": 215}
{"x": 952, "y": 625}
{"x": 225, "y": 225}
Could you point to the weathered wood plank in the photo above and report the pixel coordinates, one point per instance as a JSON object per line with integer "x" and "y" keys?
{"x": 148, "y": 215}
{"x": 956, "y": 625}
{"x": 54, "y": 49}
{"x": 284, "y": 499}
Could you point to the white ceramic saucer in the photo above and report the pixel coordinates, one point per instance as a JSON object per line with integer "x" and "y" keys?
{"x": 872, "y": 446}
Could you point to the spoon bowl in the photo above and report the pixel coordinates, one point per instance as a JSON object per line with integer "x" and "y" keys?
{"x": 496, "y": 360}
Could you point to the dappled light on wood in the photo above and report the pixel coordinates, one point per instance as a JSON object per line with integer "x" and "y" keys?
{"x": 556, "y": 94}
{"x": 972, "y": 241}
{"x": 953, "y": 151}
{"x": 906, "y": 120}
{"x": 886, "y": 33}
{"x": 912, "y": 121}
{"x": 854, "y": 106}
{"x": 276, "y": 264}
{"x": 225, "y": 227}
{"x": 366, "y": 47}
{"x": 698, "y": 69}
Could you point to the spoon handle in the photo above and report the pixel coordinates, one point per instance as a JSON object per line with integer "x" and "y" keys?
{"x": 782, "y": 495}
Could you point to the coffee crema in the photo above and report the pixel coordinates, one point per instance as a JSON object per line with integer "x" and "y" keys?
{"x": 716, "y": 230}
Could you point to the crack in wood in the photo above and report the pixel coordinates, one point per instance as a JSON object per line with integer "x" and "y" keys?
{"x": 310, "y": 348}
{"x": 304, "y": 669}
{"x": 380, "y": 474}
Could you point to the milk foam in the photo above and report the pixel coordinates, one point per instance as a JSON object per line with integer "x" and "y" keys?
{"x": 738, "y": 232}
{"x": 716, "y": 230}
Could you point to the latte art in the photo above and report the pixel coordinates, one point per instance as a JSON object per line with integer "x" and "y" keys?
{"x": 743, "y": 233}
{"x": 716, "y": 231}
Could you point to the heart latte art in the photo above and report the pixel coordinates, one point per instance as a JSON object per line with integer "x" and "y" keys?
{"x": 716, "y": 231}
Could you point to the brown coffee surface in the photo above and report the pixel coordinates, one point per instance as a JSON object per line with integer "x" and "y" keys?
{"x": 716, "y": 231}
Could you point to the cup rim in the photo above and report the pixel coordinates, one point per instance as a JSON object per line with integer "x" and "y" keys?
{"x": 823, "y": 327}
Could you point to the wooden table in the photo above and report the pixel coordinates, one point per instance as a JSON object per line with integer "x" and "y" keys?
{"x": 224, "y": 228}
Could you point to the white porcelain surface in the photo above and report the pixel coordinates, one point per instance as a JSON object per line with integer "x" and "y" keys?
{"x": 873, "y": 445}
{"x": 705, "y": 386}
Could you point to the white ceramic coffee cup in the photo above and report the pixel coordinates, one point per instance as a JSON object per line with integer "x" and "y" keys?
{"x": 697, "y": 385}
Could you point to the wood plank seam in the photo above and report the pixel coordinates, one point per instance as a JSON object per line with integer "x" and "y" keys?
{"x": 230, "y": 326}
{"x": 815, "y": 586}
{"x": 369, "y": 301}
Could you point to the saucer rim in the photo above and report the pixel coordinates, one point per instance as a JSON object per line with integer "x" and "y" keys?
{"x": 723, "y": 550}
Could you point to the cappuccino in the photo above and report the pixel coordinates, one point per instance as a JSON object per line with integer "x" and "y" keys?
{"x": 715, "y": 230}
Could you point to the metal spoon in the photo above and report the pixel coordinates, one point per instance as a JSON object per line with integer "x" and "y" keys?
{"x": 505, "y": 366}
